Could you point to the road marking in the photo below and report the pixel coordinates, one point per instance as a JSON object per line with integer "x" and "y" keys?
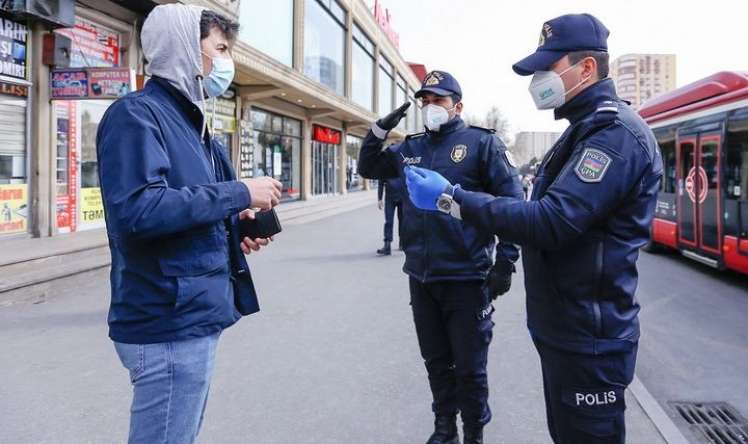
{"x": 656, "y": 414}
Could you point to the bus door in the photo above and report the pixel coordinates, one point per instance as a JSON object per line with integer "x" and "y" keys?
{"x": 700, "y": 191}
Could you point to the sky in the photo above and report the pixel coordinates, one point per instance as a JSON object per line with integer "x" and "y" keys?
{"x": 478, "y": 41}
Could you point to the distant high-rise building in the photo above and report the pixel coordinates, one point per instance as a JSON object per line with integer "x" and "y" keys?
{"x": 639, "y": 77}
{"x": 529, "y": 145}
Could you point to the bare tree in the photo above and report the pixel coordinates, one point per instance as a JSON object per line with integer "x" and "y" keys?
{"x": 494, "y": 119}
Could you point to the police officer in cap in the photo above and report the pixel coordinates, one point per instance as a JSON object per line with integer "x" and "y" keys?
{"x": 390, "y": 199}
{"x": 455, "y": 270}
{"x": 591, "y": 207}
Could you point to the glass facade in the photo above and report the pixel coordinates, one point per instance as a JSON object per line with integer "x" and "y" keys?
{"x": 276, "y": 144}
{"x": 270, "y": 31}
{"x": 386, "y": 85}
{"x": 324, "y": 44}
{"x": 363, "y": 69}
{"x": 400, "y": 98}
{"x": 353, "y": 181}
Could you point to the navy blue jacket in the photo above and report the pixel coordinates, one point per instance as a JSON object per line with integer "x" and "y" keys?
{"x": 437, "y": 246}
{"x": 592, "y": 204}
{"x": 171, "y": 206}
{"x": 390, "y": 189}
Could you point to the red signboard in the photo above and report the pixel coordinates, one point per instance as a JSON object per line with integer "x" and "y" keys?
{"x": 326, "y": 135}
{"x": 72, "y": 164}
{"x": 382, "y": 16}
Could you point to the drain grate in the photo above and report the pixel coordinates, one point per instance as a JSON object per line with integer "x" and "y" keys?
{"x": 717, "y": 422}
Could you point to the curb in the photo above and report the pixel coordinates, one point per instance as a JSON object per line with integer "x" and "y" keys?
{"x": 662, "y": 422}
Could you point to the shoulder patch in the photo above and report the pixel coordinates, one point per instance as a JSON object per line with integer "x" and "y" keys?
{"x": 488, "y": 130}
{"x": 592, "y": 165}
{"x": 414, "y": 136}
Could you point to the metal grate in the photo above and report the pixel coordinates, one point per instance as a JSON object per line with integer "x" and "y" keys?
{"x": 715, "y": 422}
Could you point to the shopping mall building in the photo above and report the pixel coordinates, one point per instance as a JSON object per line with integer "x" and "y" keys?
{"x": 311, "y": 77}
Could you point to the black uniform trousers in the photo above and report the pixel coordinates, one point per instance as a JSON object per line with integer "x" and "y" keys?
{"x": 389, "y": 218}
{"x": 584, "y": 394}
{"x": 454, "y": 329}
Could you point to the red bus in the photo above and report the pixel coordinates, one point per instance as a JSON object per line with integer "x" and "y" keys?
{"x": 702, "y": 208}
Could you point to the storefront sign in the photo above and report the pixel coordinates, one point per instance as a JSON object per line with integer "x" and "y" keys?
{"x": 326, "y": 135}
{"x": 93, "y": 83}
{"x": 13, "y": 208}
{"x": 72, "y": 165}
{"x": 14, "y": 90}
{"x": 91, "y": 206}
{"x": 69, "y": 84}
{"x": 108, "y": 83}
{"x": 384, "y": 20}
{"x": 13, "y": 37}
{"x": 93, "y": 45}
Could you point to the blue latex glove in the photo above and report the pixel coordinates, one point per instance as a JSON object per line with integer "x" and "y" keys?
{"x": 425, "y": 187}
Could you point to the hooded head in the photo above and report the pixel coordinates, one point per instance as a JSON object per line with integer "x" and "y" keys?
{"x": 171, "y": 44}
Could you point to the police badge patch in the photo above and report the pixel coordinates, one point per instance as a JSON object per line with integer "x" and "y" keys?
{"x": 592, "y": 166}
{"x": 459, "y": 152}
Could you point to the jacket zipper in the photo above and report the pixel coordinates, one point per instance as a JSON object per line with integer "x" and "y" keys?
{"x": 598, "y": 287}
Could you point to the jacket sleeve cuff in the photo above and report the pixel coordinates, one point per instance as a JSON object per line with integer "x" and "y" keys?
{"x": 240, "y": 196}
{"x": 378, "y": 132}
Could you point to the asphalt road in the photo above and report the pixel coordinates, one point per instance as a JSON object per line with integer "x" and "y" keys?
{"x": 332, "y": 357}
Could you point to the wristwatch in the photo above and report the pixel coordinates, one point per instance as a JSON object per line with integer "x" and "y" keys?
{"x": 446, "y": 203}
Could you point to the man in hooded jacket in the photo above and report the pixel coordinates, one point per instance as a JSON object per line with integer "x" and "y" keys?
{"x": 172, "y": 206}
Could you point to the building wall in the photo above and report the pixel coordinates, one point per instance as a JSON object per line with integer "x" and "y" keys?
{"x": 639, "y": 77}
{"x": 529, "y": 145}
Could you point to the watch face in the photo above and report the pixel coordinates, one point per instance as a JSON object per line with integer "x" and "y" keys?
{"x": 444, "y": 204}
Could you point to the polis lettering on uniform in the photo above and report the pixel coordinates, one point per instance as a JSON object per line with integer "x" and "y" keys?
{"x": 596, "y": 399}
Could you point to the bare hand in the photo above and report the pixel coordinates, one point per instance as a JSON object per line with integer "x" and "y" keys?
{"x": 248, "y": 245}
{"x": 380, "y": 205}
{"x": 264, "y": 191}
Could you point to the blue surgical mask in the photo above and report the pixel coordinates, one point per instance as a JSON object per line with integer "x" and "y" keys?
{"x": 220, "y": 77}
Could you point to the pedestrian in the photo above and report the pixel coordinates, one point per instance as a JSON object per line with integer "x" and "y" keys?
{"x": 592, "y": 204}
{"x": 172, "y": 207}
{"x": 455, "y": 271}
{"x": 390, "y": 199}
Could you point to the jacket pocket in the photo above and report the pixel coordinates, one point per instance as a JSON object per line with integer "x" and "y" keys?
{"x": 193, "y": 256}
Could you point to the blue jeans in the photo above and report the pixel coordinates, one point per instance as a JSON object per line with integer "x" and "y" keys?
{"x": 170, "y": 388}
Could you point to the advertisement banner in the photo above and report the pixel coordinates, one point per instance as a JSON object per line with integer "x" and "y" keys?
{"x": 13, "y": 38}
{"x": 13, "y": 208}
{"x": 110, "y": 83}
{"x": 68, "y": 84}
{"x": 94, "y": 46}
{"x": 91, "y": 208}
{"x": 72, "y": 164}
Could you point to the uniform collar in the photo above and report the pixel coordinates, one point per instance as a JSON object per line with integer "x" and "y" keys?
{"x": 587, "y": 101}
{"x": 453, "y": 125}
{"x": 190, "y": 110}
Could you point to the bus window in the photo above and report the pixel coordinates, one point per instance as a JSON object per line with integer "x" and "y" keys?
{"x": 736, "y": 174}
{"x": 666, "y": 140}
{"x": 668, "y": 163}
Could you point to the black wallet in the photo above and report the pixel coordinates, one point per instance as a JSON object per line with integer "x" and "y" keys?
{"x": 264, "y": 225}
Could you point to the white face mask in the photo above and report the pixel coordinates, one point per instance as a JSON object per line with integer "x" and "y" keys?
{"x": 434, "y": 116}
{"x": 547, "y": 88}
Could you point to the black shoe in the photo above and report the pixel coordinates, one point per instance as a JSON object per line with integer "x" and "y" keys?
{"x": 472, "y": 435}
{"x": 385, "y": 250}
{"x": 445, "y": 431}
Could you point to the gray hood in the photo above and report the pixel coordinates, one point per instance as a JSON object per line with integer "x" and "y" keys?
{"x": 171, "y": 44}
